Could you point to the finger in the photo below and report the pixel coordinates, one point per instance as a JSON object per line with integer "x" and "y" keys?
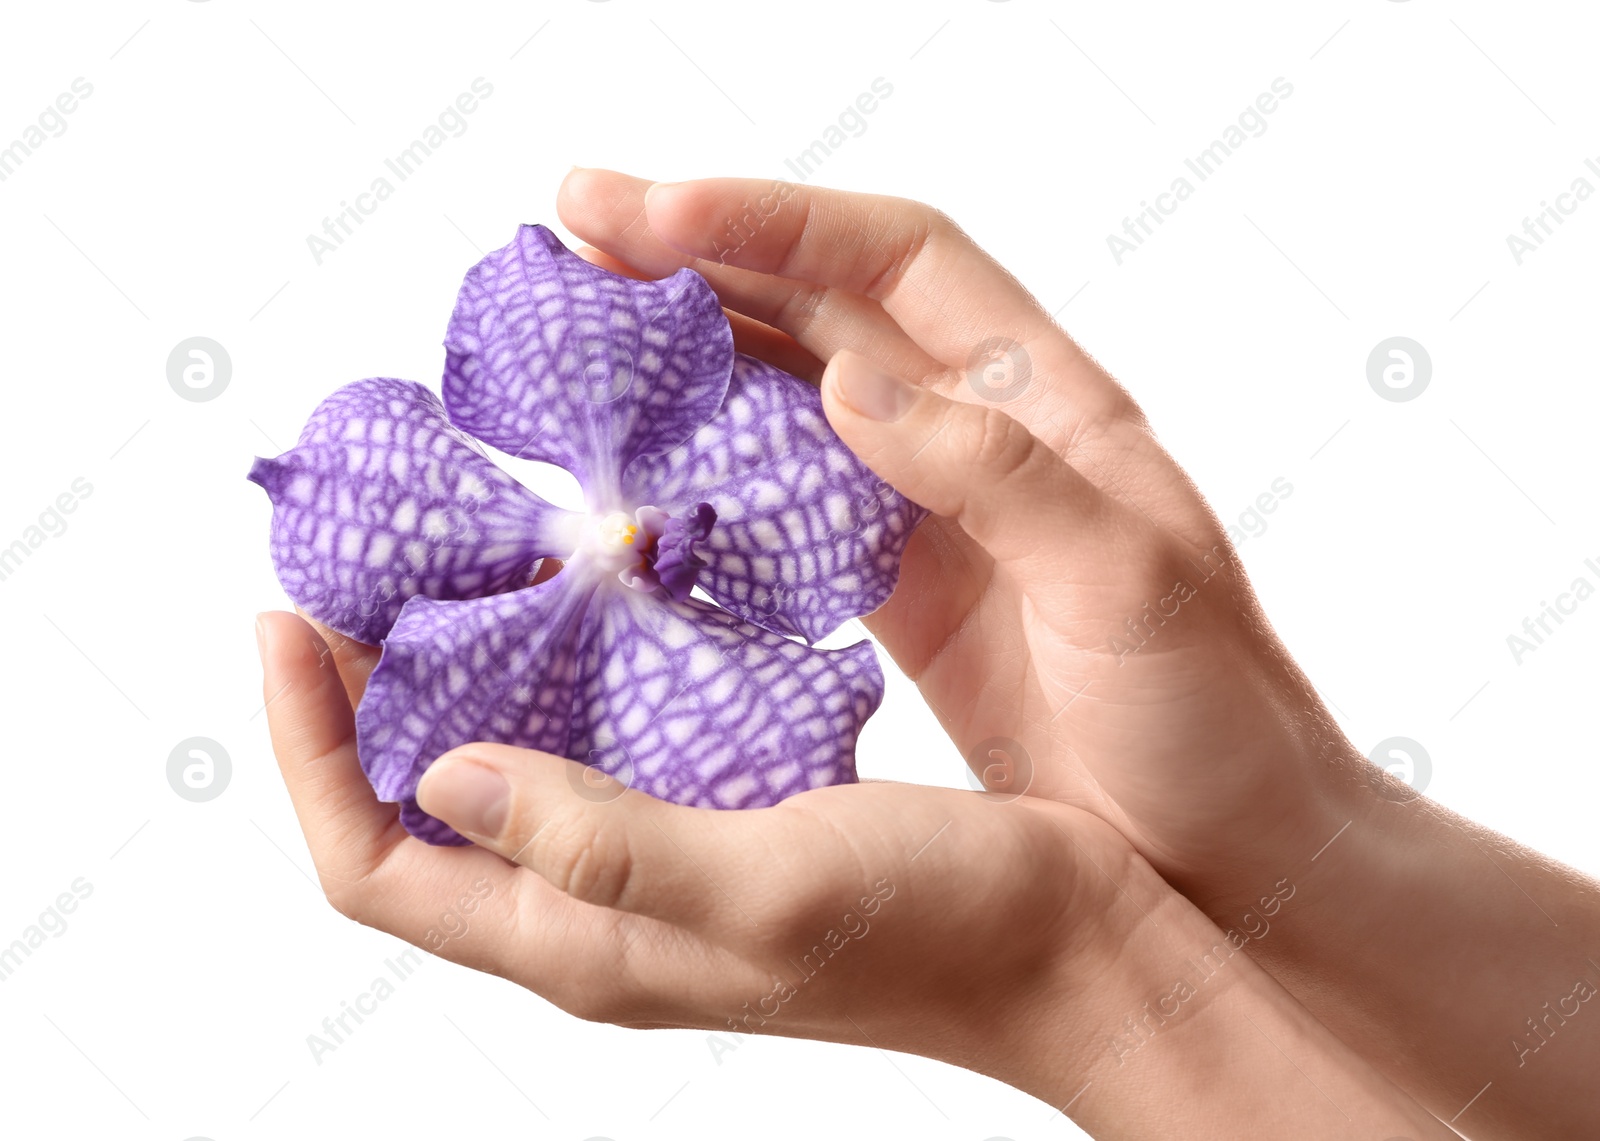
{"x": 962, "y": 309}
{"x": 465, "y": 904}
{"x": 1008, "y": 490}
{"x": 354, "y": 660}
{"x": 763, "y": 342}
{"x": 470, "y": 906}
{"x": 629, "y": 851}
{"x": 945, "y": 291}
{"x": 750, "y": 336}
{"x": 314, "y": 737}
{"x": 607, "y": 208}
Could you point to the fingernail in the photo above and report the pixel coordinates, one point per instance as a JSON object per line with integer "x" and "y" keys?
{"x": 261, "y": 636}
{"x": 870, "y": 391}
{"x": 468, "y": 796}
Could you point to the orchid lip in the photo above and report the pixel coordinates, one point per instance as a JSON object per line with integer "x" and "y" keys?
{"x": 648, "y": 550}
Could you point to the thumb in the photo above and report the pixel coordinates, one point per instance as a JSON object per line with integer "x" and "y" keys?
{"x": 1014, "y": 496}
{"x": 598, "y": 840}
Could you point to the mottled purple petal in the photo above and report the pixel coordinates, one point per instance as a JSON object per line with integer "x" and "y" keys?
{"x": 384, "y": 499}
{"x": 501, "y": 669}
{"x": 807, "y": 537}
{"x": 687, "y": 703}
{"x": 428, "y": 828}
{"x": 678, "y": 699}
{"x": 550, "y": 358}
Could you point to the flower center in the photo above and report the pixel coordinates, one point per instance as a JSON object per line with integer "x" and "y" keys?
{"x": 614, "y": 540}
{"x": 649, "y": 550}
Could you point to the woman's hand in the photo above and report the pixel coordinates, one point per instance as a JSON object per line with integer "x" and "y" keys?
{"x": 1018, "y": 938}
{"x": 922, "y": 914}
{"x": 917, "y": 912}
{"x": 1081, "y": 625}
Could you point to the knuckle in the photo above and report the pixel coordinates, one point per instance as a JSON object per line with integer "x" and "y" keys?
{"x": 799, "y": 309}
{"x": 799, "y": 231}
{"x": 1172, "y": 577}
{"x": 911, "y": 229}
{"x": 350, "y": 885}
{"x": 590, "y": 862}
{"x": 1123, "y": 408}
{"x": 1001, "y": 446}
{"x": 606, "y": 1000}
{"x": 348, "y": 899}
{"x": 610, "y": 988}
{"x": 929, "y": 220}
{"x": 1101, "y": 408}
{"x": 938, "y": 224}
{"x": 626, "y": 1007}
{"x": 591, "y": 1004}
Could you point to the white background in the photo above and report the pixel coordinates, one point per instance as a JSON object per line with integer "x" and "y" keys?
{"x": 1419, "y": 534}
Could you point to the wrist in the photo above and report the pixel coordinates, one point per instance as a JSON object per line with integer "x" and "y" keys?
{"x": 1299, "y": 819}
{"x": 1433, "y": 946}
{"x": 1162, "y": 1018}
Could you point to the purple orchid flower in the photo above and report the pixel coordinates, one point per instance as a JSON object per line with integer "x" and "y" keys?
{"x": 700, "y": 467}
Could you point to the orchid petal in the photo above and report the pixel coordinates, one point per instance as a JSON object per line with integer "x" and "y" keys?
{"x": 429, "y": 828}
{"x": 684, "y": 701}
{"x": 551, "y": 358}
{"x": 678, "y": 699}
{"x": 807, "y": 536}
{"x": 501, "y": 668}
{"x": 384, "y": 499}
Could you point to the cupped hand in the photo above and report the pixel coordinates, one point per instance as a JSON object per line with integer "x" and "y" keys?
{"x": 1016, "y": 937}
{"x": 918, "y": 919}
{"x": 1074, "y": 613}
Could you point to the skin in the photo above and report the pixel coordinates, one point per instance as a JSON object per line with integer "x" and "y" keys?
{"x": 885, "y": 915}
{"x": 1075, "y": 595}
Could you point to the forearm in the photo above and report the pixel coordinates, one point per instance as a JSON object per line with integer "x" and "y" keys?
{"x": 1183, "y": 1036}
{"x": 1458, "y": 961}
